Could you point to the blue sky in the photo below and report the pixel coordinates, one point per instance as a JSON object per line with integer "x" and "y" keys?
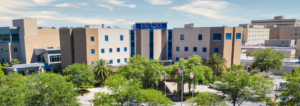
{"x": 123, "y": 13}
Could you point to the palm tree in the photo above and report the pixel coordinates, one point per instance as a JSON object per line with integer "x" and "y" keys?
{"x": 217, "y": 63}
{"x": 15, "y": 61}
{"x": 102, "y": 70}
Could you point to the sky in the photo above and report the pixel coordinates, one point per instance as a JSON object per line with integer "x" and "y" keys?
{"x": 124, "y": 13}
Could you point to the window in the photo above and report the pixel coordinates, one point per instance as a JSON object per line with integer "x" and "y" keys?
{"x": 4, "y": 37}
{"x": 295, "y": 33}
{"x": 93, "y": 51}
{"x": 118, "y": 49}
{"x": 3, "y": 59}
{"x": 238, "y": 36}
{"x": 125, "y": 49}
{"x": 282, "y": 42}
{"x": 7, "y": 60}
{"x": 6, "y": 50}
{"x": 217, "y": 36}
{"x": 195, "y": 49}
{"x": 106, "y": 37}
{"x": 177, "y": 59}
{"x": 118, "y": 60}
{"x": 15, "y": 37}
{"x": 204, "y": 49}
{"x": 296, "y": 29}
{"x": 121, "y": 37}
{"x": 177, "y": 49}
{"x": 291, "y": 33}
{"x": 92, "y": 39}
{"x": 291, "y": 29}
{"x": 110, "y": 50}
{"x": 93, "y": 64}
{"x": 125, "y": 60}
{"x": 200, "y": 37}
{"x": 182, "y": 37}
{"x": 186, "y": 49}
{"x": 49, "y": 47}
{"x": 216, "y": 50}
{"x": 1, "y": 49}
{"x": 55, "y": 58}
{"x": 228, "y": 36}
{"x": 102, "y": 50}
{"x": 15, "y": 49}
{"x": 111, "y": 61}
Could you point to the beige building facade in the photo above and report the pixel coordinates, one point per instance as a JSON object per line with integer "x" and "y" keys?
{"x": 254, "y": 34}
{"x": 280, "y": 42}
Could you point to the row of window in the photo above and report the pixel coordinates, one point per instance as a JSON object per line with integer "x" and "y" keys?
{"x": 291, "y": 37}
{"x": 293, "y": 33}
{"x": 7, "y": 60}
{"x": 259, "y": 31}
{"x": 218, "y": 36}
{"x": 6, "y": 50}
{"x": 258, "y": 35}
{"x": 106, "y": 38}
{"x": 257, "y": 39}
{"x": 110, "y": 50}
{"x": 118, "y": 61}
{"x": 195, "y": 49}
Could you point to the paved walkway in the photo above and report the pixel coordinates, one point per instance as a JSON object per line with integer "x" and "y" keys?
{"x": 85, "y": 100}
{"x": 199, "y": 88}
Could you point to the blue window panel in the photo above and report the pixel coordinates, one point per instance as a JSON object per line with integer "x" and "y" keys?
{"x": 216, "y": 50}
{"x": 106, "y": 37}
{"x": 177, "y": 59}
{"x": 182, "y": 37}
{"x": 204, "y": 49}
{"x": 92, "y": 39}
{"x": 238, "y": 36}
{"x": 121, "y": 37}
{"x": 185, "y": 58}
{"x": 282, "y": 42}
{"x": 195, "y": 49}
{"x": 125, "y": 49}
{"x": 217, "y": 36}
{"x": 125, "y": 60}
{"x": 186, "y": 49}
{"x": 118, "y": 49}
{"x": 110, "y": 50}
{"x": 177, "y": 49}
{"x": 102, "y": 51}
{"x": 111, "y": 61}
{"x": 118, "y": 60}
{"x": 228, "y": 36}
{"x": 200, "y": 37}
{"x": 93, "y": 51}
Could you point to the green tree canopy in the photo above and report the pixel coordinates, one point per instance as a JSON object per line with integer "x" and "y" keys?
{"x": 50, "y": 89}
{"x": 207, "y": 99}
{"x": 292, "y": 90}
{"x": 156, "y": 98}
{"x": 53, "y": 28}
{"x": 6, "y": 65}
{"x": 217, "y": 63}
{"x": 192, "y": 64}
{"x": 14, "y": 90}
{"x": 102, "y": 70}
{"x": 104, "y": 99}
{"x": 141, "y": 68}
{"x": 1, "y": 71}
{"x": 108, "y": 27}
{"x": 15, "y": 61}
{"x": 266, "y": 59}
{"x": 241, "y": 85}
{"x": 79, "y": 74}
{"x": 64, "y": 28}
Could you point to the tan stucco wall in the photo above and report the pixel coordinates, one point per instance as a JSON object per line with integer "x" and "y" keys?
{"x": 92, "y": 45}
{"x": 32, "y": 42}
{"x": 236, "y": 47}
{"x": 48, "y": 31}
{"x": 190, "y": 41}
{"x": 145, "y": 43}
{"x": 157, "y": 42}
{"x": 13, "y": 54}
{"x": 4, "y": 54}
{"x": 280, "y": 42}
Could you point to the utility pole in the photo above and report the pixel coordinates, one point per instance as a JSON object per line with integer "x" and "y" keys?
{"x": 182, "y": 86}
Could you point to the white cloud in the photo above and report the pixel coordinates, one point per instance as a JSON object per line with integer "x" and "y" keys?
{"x": 63, "y": 5}
{"x": 106, "y": 6}
{"x": 207, "y": 8}
{"x": 120, "y": 3}
{"x": 17, "y": 8}
{"x": 83, "y": 4}
{"x": 43, "y": 1}
{"x": 159, "y": 2}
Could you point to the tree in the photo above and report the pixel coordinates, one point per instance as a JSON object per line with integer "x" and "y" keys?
{"x": 1, "y": 72}
{"x": 266, "y": 59}
{"x": 15, "y": 61}
{"x": 79, "y": 75}
{"x": 241, "y": 85}
{"x": 78, "y": 27}
{"x": 156, "y": 98}
{"x": 103, "y": 99}
{"x": 53, "y": 28}
{"x": 108, "y": 27}
{"x": 50, "y": 89}
{"x": 141, "y": 68}
{"x": 192, "y": 64}
{"x": 6, "y": 65}
{"x": 14, "y": 90}
{"x": 292, "y": 88}
{"x": 64, "y": 28}
{"x": 102, "y": 70}
{"x": 207, "y": 99}
{"x": 235, "y": 68}
{"x": 217, "y": 63}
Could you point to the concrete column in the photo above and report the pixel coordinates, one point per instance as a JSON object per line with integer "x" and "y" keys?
{"x": 10, "y": 37}
{"x": 26, "y": 72}
{"x": 42, "y": 70}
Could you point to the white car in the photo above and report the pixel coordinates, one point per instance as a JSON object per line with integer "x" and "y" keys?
{"x": 133, "y": 103}
{"x": 217, "y": 85}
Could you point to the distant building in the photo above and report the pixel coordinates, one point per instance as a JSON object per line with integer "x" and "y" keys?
{"x": 280, "y": 42}
{"x": 254, "y": 34}
{"x": 37, "y": 48}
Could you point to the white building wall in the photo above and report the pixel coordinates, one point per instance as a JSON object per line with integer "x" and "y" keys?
{"x": 257, "y": 36}
{"x": 114, "y": 43}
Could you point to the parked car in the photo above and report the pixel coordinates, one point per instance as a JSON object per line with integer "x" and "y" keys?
{"x": 281, "y": 85}
{"x": 133, "y": 103}
{"x": 217, "y": 85}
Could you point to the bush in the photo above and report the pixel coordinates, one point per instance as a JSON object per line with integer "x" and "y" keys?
{"x": 86, "y": 86}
